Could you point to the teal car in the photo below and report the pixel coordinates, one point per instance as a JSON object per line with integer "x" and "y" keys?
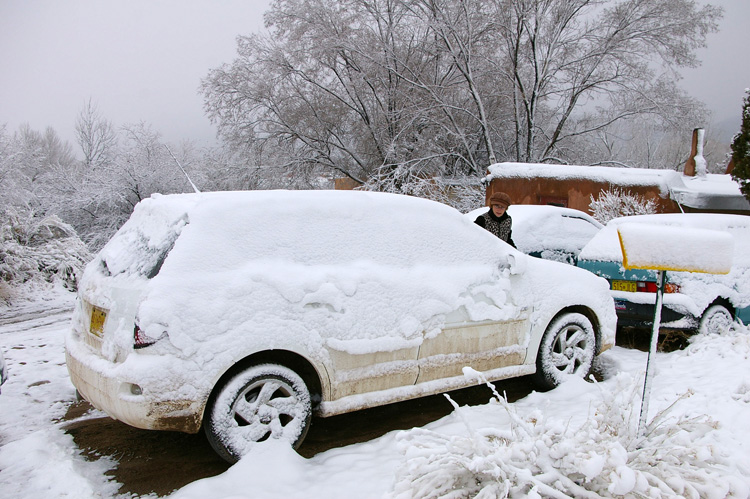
{"x": 692, "y": 301}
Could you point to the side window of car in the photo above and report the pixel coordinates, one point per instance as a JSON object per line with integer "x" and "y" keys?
{"x": 579, "y": 229}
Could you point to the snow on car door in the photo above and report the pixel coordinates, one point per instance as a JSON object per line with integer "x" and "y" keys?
{"x": 357, "y": 373}
{"x": 483, "y": 346}
{"x": 489, "y": 331}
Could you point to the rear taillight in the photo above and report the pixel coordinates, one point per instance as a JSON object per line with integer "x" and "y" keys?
{"x": 650, "y": 287}
{"x": 140, "y": 340}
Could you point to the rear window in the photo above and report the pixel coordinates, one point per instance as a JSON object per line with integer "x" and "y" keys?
{"x": 552, "y": 231}
{"x": 140, "y": 247}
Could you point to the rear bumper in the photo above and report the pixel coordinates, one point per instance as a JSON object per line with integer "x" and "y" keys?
{"x": 102, "y": 384}
{"x": 631, "y": 314}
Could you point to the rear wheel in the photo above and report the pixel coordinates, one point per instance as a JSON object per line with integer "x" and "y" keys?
{"x": 567, "y": 349}
{"x": 716, "y": 320}
{"x": 260, "y": 403}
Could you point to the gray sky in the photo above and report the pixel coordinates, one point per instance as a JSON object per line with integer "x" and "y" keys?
{"x": 144, "y": 59}
{"x": 135, "y": 59}
{"x": 721, "y": 80}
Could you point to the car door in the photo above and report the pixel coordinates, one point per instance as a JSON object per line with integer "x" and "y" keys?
{"x": 356, "y": 373}
{"x": 482, "y": 345}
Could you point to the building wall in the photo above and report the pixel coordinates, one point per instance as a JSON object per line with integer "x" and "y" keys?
{"x": 345, "y": 184}
{"x": 569, "y": 193}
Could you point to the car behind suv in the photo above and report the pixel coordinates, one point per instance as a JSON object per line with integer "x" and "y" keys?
{"x": 692, "y": 301}
{"x": 244, "y": 313}
{"x": 549, "y": 232}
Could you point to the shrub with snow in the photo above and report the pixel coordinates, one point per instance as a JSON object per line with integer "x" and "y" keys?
{"x": 620, "y": 203}
{"x": 538, "y": 456}
{"x": 463, "y": 194}
{"x": 38, "y": 251}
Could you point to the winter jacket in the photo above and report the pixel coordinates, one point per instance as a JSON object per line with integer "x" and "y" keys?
{"x": 501, "y": 226}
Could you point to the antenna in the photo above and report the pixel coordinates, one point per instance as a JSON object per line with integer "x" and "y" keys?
{"x": 181, "y": 168}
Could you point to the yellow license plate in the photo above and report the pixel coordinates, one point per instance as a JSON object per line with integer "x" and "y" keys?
{"x": 98, "y": 316}
{"x": 624, "y": 286}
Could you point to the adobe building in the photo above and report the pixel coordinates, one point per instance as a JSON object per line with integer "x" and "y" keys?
{"x": 570, "y": 186}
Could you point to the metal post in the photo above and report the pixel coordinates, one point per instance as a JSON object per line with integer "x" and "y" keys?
{"x": 660, "y": 278}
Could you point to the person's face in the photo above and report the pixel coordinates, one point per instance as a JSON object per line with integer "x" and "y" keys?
{"x": 498, "y": 209}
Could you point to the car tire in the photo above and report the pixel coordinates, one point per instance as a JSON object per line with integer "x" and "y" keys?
{"x": 567, "y": 350}
{"x": 262, "y": 402}
{"x": 715, "y": 320}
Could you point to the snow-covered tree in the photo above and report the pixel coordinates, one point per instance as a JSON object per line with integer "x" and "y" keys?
{"x": 578, "y": 66}
{"x": 347, "y": 87}
{"x": 389, "y": 92}
{"x": 741, "y": 149}
{"x": 8, "y": 180}
{"x": 40, "y": 176}
{"x": 96, "y": 137}
{"x": 103, "y": 197}
{"x": 29, "y": 162}
{"x": 37, "y": 251}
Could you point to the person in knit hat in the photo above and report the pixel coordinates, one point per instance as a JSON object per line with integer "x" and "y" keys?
{"x": 497, "y": 220}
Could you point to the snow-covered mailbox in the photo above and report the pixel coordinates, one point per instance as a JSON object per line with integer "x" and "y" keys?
{"x": 661, "y": 248}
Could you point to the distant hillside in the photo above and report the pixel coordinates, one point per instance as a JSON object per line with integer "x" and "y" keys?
{"x": 725, "y": 129}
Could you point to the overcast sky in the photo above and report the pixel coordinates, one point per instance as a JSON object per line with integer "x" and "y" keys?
{"x": 135, "y": 59}
{"x": 142, "y": 60}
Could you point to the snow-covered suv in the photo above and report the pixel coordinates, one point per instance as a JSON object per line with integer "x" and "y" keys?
{"x": 244, "y": 313}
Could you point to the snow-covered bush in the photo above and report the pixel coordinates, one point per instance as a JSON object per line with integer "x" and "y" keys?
{"x": 620, "y": 203}
{"x": 464, "y": 194}
{"x": 38, "y": 250}
{"x": 536, "y": 456}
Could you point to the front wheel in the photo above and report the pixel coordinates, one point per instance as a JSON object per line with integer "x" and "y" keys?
{"x": 716, "y": 320}
{"x": 259, "y": 403}
{"x": 567, "y": 349}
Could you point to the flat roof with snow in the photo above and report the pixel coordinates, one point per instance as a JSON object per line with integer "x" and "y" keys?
{"x": 710, "y": 191}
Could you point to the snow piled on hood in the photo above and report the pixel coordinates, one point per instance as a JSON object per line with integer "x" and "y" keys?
{"x": 547, "y": 229}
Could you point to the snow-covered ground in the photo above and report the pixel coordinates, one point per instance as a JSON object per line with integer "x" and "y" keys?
{"x": 577, "y": 438}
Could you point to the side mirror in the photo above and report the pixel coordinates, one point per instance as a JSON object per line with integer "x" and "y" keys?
{"x": 516, "y": 263}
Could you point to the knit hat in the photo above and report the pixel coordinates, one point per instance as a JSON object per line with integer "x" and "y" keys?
{"x": 500, "y": 198}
